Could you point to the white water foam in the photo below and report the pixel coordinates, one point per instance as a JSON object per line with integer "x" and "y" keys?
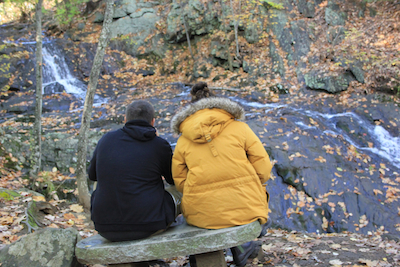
{"x": 55, "y": 69}
{"x": 386, "y": 146}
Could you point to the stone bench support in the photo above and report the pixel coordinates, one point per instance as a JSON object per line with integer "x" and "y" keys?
{"x": 181, "y": 240}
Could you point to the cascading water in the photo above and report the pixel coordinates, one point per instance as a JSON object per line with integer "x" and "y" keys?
{"x": 56, "y": 74}
{"x": 384, "y": 145}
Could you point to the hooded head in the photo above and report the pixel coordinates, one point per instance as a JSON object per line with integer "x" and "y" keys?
{"x": 208, "y": 103}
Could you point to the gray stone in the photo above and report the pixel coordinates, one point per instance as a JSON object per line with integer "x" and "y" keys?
{"x": 141, "y": 23}
{"x": 217, "y": 50}
{"x": 357, "y": 71}
{"x": 354, "y": 66}
{"x": 200, "y": 19}
{"x": 253, "y": 31}
{"x": 48, "y": 247}
{"x": 307, "y": 8}
{"x": 277, "y": 65}
{"x": 98, "y": 17}
{"x": 301, "y": 38}
{"x": 177, "y": 241}
{"x": 124, "y": 8}
{"x": 336, "y": 35}
{"x": 81, "y": 26}
{"x": 53, "y": 88}
{"x": 58, "y": 149}
{"x": 277, "y": 22}
{"x": 333, "y": 15}
{"x": 326, "y": 82}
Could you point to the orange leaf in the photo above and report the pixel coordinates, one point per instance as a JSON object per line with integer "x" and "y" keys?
{"x": 69, "y": 216}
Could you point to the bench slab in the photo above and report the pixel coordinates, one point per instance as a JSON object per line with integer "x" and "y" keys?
{"x": 179, "y": 240}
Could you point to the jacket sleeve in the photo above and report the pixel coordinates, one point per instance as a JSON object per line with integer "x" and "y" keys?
{"x": 257, "y": 155}
{"x": 166, "y": 158}
{"x": 179, "y": 168}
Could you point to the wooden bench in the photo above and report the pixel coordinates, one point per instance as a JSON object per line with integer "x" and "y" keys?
{"x": 206, "y": 245}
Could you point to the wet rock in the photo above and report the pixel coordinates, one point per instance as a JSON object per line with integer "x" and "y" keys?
{"x": 53, "y": 88}
{"x": 48, "y": 247}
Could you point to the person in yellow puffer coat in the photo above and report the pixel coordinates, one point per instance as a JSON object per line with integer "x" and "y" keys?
{"x": 219, "y": 164}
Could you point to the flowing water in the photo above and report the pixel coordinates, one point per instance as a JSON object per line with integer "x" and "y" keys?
{"x": 384, "y": 145}
{"x": 56, "y": 70}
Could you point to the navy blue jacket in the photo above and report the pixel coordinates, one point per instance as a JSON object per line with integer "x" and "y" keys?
{"x": 128, "y": 164}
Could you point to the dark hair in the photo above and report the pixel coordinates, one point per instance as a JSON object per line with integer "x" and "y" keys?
{"x": 140, "y": 110}
{"x": 199, "y": 91}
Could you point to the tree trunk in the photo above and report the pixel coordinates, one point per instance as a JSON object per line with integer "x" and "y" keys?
{"x": 187, "y": 37}
{"x": 230, "y": 65}
{"x": 37, "y": 132}
{"x": 84, "y": 196}
{"x": 236, "y": 30}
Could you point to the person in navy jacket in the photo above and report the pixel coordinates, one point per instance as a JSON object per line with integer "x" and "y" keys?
{"x": 130, "y": 201}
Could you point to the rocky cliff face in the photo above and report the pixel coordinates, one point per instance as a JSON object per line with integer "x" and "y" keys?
{"x": 330, "y": 45}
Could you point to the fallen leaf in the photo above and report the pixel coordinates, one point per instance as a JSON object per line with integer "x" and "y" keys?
{"x": 320, "y": 159}
{"x": 76, "y": 208}
{"x": 4, "y": 220}
{"x": 336, "y": 262}
{"x": 335, "y": 246}
{"x": 377, "y": 191}
{"x": 369, "y": 263}
{"x": 38, "y": 198}
{"x": 69, "y": 216}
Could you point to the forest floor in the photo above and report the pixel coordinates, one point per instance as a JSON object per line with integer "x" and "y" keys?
{"x": 278, "y": 247}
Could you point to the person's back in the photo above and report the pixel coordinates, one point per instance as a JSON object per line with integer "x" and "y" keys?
{"x": 128, "y": 164}
{"x": 219, "y": 164}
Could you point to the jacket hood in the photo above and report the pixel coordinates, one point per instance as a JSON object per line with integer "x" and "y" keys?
{"x": 225, "y": 104}
{"x": 139, "y": 130}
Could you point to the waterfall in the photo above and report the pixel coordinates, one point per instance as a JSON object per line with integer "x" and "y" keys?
{"x": 57, "y": 76}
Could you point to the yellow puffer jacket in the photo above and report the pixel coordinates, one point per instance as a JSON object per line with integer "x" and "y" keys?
{"x": 219, "y": 165}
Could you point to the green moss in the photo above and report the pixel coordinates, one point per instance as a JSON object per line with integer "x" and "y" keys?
{"x": 8, "y": 195}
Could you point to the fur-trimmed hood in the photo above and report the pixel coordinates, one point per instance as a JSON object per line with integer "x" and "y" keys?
{"x": 225, "y": 104}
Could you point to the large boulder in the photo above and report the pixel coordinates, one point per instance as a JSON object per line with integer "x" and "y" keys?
{"x": 335, "y": 83}
{"x": 200, "y": 19}
{"x": 48, "y": 247}
{"x": 58, "y": 149}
